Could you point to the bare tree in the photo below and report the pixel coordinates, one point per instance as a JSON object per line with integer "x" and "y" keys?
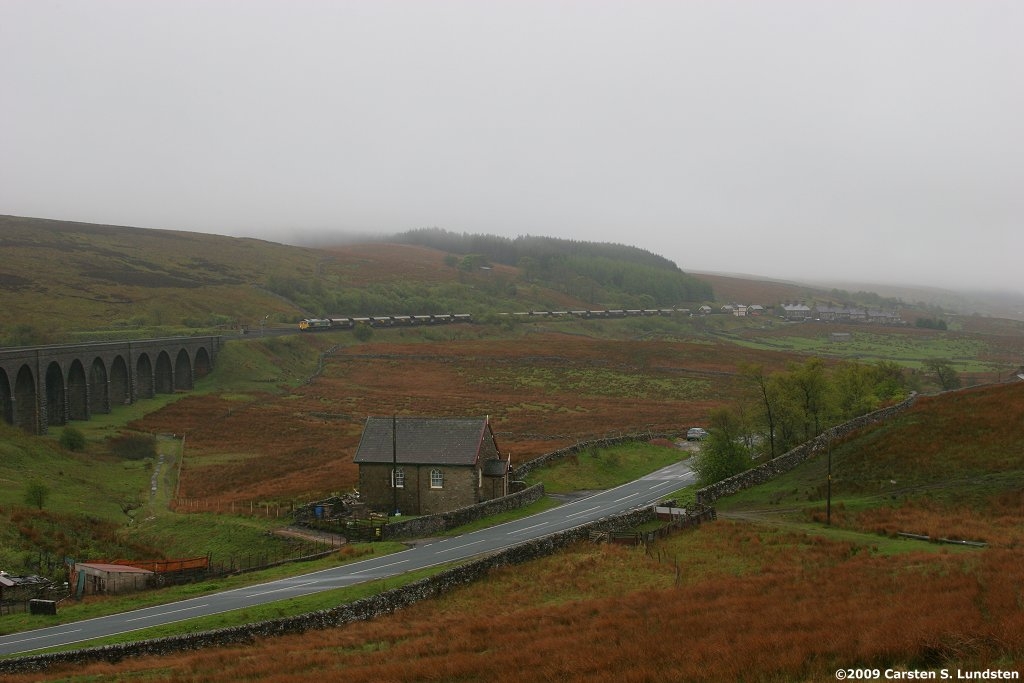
{"x": 766, "y": 395}
{"x": 944, "y": 373}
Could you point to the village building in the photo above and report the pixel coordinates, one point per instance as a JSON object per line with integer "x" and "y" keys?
{"x": 852, "y": 314}
{"x": 796, "y": 311}
{"x": 884, "y": 317}
{"x": 424, "y": 466}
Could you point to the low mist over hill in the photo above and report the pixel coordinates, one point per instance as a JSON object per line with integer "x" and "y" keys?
{"x": 589, "y": 268}
{"x": 63, "y": 278}
{"x": 746, "y": 287}
{"x": 63, "y": 281}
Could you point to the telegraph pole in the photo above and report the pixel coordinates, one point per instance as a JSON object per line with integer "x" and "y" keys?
{"x": 394, "y": 462}
{"x": 828, "y": 494}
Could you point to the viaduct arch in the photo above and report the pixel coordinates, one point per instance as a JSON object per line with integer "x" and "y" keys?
{"x": 42, "y": 386}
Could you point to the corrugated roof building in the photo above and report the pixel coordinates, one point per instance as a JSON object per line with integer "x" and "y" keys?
{"x": 90, "y": 578}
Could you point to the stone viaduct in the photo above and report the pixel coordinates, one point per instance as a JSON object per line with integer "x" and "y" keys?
{"x": 42, "y": 386}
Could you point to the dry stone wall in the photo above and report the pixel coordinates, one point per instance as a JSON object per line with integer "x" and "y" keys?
{"x": 360, "y": 610}
{"x": 431, "y": 525}
{"x": 388, "y": 601}
{"x": 790, "y": 459}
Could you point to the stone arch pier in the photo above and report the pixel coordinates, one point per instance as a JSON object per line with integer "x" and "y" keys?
{"x": 42, "y": 386}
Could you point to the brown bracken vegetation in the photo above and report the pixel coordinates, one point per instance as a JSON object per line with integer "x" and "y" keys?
{"x": 954, "y": 463}
{"x": 727, "y": 602}
{"x": 541, "y": 392}
{"x": 732, "y": 600}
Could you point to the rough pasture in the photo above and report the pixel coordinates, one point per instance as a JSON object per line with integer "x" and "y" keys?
{"x": 542, "y": 392}
{"x": 730, "y": 601}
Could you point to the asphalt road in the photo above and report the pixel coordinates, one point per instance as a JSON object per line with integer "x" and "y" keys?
{"x": 633, "y": 495}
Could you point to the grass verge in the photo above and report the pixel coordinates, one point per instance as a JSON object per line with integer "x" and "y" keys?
{"x": 92, "y": 607}
{"x": 603, "y": 468}
{"x": 323, "y": 600}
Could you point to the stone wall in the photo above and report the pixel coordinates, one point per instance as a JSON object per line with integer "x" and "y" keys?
{"x": 790, "y": 459}
{"x": 388, "y": 601}
{"x": 360, "y": 610}
{"x": 435, "y": 524}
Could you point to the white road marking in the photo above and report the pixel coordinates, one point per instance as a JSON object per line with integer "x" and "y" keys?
{"x": 278, "y": 590}
{"x": 459, "y": 547}
{"x": 164, "y": 614}
{"x": 583, "y": 512}
{"x": 525, "y": 529}
{"x": 51, "y": 635}
{"x": 383, "y": 566}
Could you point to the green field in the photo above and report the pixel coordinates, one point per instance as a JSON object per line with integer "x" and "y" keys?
{"x": 597, "y": 469}
{"x": 909, "y": 351}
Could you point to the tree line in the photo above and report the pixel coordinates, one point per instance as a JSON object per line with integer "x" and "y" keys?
{"x": 613, "y": 274}
{"x": 785, "y": 408}
{"x": 508, "y": 250}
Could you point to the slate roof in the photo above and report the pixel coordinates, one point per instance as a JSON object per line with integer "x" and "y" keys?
{"x": 495, "y": 467}
{"x": 423, "y": 440}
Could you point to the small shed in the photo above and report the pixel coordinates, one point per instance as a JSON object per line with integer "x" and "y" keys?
{"x": 93, "y": 578}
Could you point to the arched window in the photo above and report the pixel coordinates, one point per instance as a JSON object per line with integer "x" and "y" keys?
{"x": 398, "y": 478}
{"x": 436, "y": 479}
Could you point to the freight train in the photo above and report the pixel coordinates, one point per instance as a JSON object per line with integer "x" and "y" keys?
{"x": 316, "y": 324}
{"x": 319, "y": 324}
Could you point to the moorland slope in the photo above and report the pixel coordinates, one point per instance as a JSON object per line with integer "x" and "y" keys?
{"x": 743, "y": 598}
{"x": 63, "y": 281}
{"x": 279, "y": 418}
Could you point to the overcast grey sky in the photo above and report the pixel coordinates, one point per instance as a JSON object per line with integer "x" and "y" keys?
{"x": 868, "y": 140}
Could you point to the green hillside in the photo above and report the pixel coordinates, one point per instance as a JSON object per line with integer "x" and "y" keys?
{"x": 63, "y": 281}
{"x": 621, "y": 275}
{"x": 952, "y": 466}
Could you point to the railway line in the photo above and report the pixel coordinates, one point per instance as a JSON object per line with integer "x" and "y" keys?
{"x": 341, "y": 323}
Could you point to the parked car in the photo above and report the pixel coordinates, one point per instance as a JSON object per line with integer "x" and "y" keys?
{"x": 696, "y": 434}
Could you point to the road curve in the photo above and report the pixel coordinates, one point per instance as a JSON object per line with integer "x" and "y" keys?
{"x": 636, "y": 494}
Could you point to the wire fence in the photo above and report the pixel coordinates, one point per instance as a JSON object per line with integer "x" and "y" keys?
{"x": 250, "y": 508}
{"x": 302, "y": 549}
